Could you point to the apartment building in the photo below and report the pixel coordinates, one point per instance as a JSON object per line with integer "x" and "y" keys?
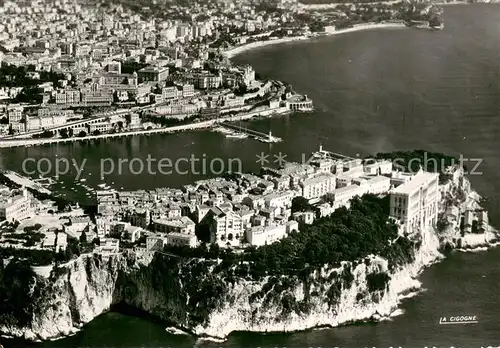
{"x": 204, "y": 80}
{"x": 279, "y": 199}
{"x": 377, "y": 185}
{"x": 414, "y": 204}
{"x": 101, "y": 127}
{"x": 182, "y": 239}
{"x": 181, "y": 224}
{"x": 155, "y": 242}
{"x": 318, "y": 186}
{"x": 48, "y": 118}
{"x": 97, "y": 98}
{"x": 68, "y": 97}
{"x": 17, "y": 207}
{"x": 170, "y": 93}
{"x": 151, "y": 73}
{"x": 187, "y": 90}
{"x": 15, "y": 117}
{"x": 343, "y": 195}
{"x": 262, "y": 235}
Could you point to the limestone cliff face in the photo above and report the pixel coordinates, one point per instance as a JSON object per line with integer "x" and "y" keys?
{"x": 192, "y": 294}
{"x": 80, "y": 291}
{"x": 207, "y": 305}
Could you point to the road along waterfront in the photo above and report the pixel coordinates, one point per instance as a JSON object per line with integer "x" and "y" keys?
{"x": 187, "y": 127}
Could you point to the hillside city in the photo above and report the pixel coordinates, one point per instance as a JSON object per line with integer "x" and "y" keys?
{"x": 73, "y": 70}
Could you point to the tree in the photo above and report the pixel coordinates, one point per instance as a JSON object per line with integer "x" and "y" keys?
{"x": 300, "y": 204}
{"x": 63, "y": 133}
{"x": 82, "y": 134}
{"x": 96, "y": 132}
{"x": 126, "y": 235}
{"x": 83, "y": 238}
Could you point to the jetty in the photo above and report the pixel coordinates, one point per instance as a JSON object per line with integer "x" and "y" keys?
{"x": 260, "y": 136}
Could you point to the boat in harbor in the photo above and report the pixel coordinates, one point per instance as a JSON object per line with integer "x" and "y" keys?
{"x": 223, "y": 130}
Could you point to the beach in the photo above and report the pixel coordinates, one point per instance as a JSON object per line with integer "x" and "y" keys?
{"x": 247, "y": 47}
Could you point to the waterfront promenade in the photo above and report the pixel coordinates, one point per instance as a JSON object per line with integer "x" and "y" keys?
{"x": 186, "y": 127}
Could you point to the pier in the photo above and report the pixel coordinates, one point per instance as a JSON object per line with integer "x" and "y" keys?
{"x": 263, "y": 137}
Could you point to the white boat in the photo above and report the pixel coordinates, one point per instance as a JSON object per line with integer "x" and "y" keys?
{"x": 237, "y": 136}
{"x": 223, "y": 130}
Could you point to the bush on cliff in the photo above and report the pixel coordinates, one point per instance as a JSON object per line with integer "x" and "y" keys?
{"x": 18, "y": 296}
{"x": 377, "y": 281}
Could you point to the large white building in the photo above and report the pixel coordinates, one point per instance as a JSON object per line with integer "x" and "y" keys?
{"x": 16, "y": 207}
{"x": 377, "y": 185}
{"x": 182, "y": 224}
{"x": 343, "y": 195}
{"x": 279, "y": 199}
{"x": 182, "y": 239}
{"x": 318, "y": 186}
{"x": 262, "y": 235}
{"x": 415, "y": 203}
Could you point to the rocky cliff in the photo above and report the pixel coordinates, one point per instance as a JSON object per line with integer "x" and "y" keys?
{"x": 194, "y": 295}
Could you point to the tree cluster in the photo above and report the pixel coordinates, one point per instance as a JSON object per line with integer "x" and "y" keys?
{"x": 412, "y": 161}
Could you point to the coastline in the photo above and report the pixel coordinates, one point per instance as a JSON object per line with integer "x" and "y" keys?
{"x": 233, "y": 317}
{"x": 231, "y": 53}
{"x": 172, "y": 129}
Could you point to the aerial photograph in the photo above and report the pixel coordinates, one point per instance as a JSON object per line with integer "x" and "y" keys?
{"x": 249, "y": 174}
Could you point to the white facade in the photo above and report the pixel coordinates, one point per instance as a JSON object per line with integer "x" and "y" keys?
{"x": 182, "y": 239}
{"x": 343, "y": 195}
{"x": 377, "y": 185}
{"x": 102, "y": 127}
{"x": 181, "y": 224}
{"x": 156, "y": 242}
{"x": 262, "y": 235}
{"x": 110, "y": 245}
{"x": 16, "y": 208}
{"x": 41, "y": 122}
{"x": 379, "y": 167}
{"x": 318, "y": 186}
{"x": 279, "y": 200}
{"x": 226, "y": 227}
{"x": 415, "y": 203}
